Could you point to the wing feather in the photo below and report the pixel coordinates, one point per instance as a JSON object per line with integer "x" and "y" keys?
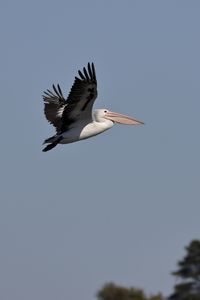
{"x": 86, "y": 74}
{"x": 81, "y": 97}
{"x": 63, "y": 112}
{"x": 90, "y": 71}
{"x": 54, "y": 104}
{"x": 81, "y": 75}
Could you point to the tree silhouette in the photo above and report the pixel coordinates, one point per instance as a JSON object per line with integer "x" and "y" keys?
{"x": 110, "y": 291}
{"x": 189, "y": 274}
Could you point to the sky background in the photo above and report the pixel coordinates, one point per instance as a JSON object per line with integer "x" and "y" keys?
{"x": 119, "y": 207}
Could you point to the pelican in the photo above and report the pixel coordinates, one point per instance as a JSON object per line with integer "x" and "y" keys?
{"x": 73, "y": 117}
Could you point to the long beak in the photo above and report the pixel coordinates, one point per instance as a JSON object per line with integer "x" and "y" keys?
{"x": 122, "y": 119}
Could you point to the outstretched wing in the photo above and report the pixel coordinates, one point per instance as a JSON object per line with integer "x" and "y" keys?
{"x": 62, "y": 113}
{"x": 81, "y": 97}
{"x": 54, "y": 104}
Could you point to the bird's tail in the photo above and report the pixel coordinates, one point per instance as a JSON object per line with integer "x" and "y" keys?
{"x": 52, "y": 141}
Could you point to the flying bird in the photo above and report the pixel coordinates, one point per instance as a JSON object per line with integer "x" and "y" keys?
{"x": 73, "y": 118}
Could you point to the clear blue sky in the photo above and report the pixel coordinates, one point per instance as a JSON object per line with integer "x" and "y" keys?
{"x": 119, "y": 207}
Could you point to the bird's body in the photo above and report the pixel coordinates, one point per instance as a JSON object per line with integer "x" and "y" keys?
{"x": 85, "y": 130}
{"x": 73, "y": 117}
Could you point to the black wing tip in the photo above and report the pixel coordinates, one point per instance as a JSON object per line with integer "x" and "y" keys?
{"x": 88, "y": 74}
{"x": 81, "y": 75}
{"x": 57, "y": 90}
{"x": 90, "y": 65}
{"x": 56, "y": 93}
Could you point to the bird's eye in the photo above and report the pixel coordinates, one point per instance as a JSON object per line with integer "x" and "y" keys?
{"x": 105, "y": 111}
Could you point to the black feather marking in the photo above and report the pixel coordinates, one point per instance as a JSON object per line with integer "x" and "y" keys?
{"x": 89, "y": 98}
{"x": 85, "y": 105}
{"x": 46, "y": 93}
{"x": 94, "y": 73}
{"x": 81, "y": 75}
{"x": 56, "y": 91}
{"x": 52, "y": 145}
{"x": 90, "y": 70}
{"x": 78, "y": 79}
{"x": 49, "y": 147}
{"x": 50, "y": 92}
{"x": 86, "y": 74}
{"x": 60, "y": 91}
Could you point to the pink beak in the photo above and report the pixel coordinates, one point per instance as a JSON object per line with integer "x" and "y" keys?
{"x": 122, "y": 119}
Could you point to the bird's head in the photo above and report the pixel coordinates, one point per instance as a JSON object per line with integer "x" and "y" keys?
{"x": 101, "y": 115}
